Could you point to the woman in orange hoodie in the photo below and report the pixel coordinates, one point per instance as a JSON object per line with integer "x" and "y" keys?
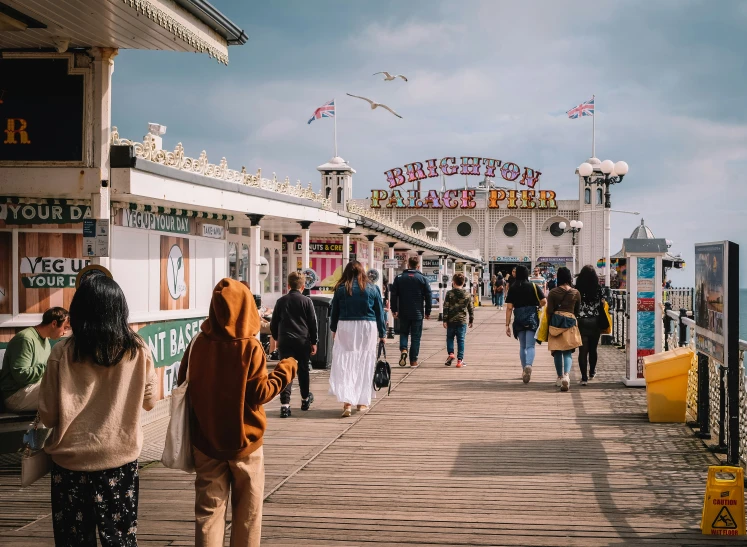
{"x": 228, "y": 384}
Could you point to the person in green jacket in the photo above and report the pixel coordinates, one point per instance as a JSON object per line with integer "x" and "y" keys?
{"x": 25, "y": 360}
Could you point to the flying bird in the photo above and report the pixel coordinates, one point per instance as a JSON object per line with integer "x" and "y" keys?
{"x": 388, "y": 77}
{"x": 374, "y": 104}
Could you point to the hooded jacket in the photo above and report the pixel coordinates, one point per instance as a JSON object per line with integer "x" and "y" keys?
{"x": 228, "y": 379}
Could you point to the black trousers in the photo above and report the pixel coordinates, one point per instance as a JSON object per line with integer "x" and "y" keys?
{"x": 84, "y": 501}
{"x": 300, "y": 350}
{"x": 588, "y": 353}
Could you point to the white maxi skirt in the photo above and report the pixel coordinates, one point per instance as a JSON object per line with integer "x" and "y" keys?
{"x": 354, "y": 362}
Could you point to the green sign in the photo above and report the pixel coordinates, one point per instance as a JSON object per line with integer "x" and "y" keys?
{"x": 38, "y": 213}
{"x": 168, "y": 340}
{"x": 155, "y": 221}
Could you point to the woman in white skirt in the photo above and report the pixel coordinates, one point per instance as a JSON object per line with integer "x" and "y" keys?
{"x": 357, "y": 324}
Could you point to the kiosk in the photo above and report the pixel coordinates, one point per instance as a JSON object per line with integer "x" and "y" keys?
{"x": 645, "y": 326}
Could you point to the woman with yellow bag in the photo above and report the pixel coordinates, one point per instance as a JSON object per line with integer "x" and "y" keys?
{"x": 593, "y": 321}
{"x": 523, "y": 301}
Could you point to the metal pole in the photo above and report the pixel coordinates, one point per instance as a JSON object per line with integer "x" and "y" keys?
{"x": 607, "y": 265}
{"x": 683, "y": 328}
{"x": 667, "y": 325}
{"x": 721, "y": 448}
{"x": 335, "y": 133}
{"x": 704, "y": 398}
{"x": 593, "y": 128}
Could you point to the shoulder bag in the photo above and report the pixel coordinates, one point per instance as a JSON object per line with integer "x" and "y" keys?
{"x": 177, "y": 451}
{"x": 35, "y": 463}
{"x": 383, "y": 372}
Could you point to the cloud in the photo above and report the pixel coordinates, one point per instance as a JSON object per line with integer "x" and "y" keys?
{"x": 395, "y": 37}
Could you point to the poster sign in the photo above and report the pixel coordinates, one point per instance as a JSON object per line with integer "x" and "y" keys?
{"x": 712, "y": 297}
{"x": 37, "y": 213}
{"x": 430, "y": 263}
{"x": 645, "y": 310}
{"x": 50, "y": 272}
{"x": 174, "y": 273}
{"x": 96, "y": 237}
{"x": 155, "y": 221}
{"x": 391, "y": 263}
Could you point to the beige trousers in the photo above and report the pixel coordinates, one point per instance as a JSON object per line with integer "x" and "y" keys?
{"x": 245, "y": 478}
{"x": 25, "y": 399}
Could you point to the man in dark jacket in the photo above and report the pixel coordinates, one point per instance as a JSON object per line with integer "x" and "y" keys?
{"x": 410, "y": 292}
{"x": 294, "y": 327}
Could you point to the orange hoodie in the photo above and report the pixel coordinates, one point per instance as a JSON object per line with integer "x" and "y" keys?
{"x": 228, "y": 380}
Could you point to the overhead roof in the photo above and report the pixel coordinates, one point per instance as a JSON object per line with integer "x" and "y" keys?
{"x": 179, "y": 25}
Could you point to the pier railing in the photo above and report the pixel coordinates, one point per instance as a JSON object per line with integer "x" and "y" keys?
{"x": 716, "y": 397}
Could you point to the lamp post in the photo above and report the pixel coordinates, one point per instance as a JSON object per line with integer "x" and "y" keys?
{"x": 611, "y": 173}
{"x": 575, "y": 228}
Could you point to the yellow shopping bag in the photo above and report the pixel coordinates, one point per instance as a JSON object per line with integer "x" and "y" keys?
{"x": 608, "y": 330}
{"x": 544, "y": 327}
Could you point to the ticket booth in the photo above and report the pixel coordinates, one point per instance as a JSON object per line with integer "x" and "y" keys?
{"x": 645, "y": 325}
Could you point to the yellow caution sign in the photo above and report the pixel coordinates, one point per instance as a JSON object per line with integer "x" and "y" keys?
{"x": 723, "y": 508}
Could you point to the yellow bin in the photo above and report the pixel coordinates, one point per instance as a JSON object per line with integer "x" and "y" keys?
{"x": 666, "y": 384}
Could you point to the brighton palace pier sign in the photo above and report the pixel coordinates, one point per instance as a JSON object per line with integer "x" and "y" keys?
{"x": 465, "y": 199}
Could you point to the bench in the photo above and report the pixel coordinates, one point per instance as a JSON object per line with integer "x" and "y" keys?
{"x": 12, "y": 427}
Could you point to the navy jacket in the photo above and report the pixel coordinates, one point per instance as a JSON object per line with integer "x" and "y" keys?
{"x": 362, "y": 305}
{"x": 294, "y": 318}
{"x": 410, "y": 292}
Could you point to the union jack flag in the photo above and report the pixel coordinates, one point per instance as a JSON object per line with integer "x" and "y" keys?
{"x": 327, "y": 110}
{"x": 584, "y": 109}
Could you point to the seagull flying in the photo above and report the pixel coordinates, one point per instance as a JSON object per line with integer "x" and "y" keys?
{"x": 374, "y": 104}
{"x": 388, "y": 77}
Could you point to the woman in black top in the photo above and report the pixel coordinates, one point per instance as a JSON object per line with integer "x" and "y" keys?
{"x": 523, "y": 301}
{"x": 589, "y": 318}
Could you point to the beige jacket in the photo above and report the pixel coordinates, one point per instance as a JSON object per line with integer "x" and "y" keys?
{"x": 95, "y": 410}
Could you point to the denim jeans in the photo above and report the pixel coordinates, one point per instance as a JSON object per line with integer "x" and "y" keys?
{"x": 406, "y": 328}
{"x": 499, "y": 298}
{"x": 563, "y": 362}
{"x": 460, "y": 331}
{"x": 526, "y": 347}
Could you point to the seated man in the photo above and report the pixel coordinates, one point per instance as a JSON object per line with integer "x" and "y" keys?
{"x": 25, "y": 360}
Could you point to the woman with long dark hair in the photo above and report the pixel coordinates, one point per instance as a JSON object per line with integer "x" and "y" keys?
{"x": 523, "y": 301}
{"x": 562, "y": 309}
{"x": 590, "y": 316}
{"x": 96, "y": 383}
{"x": 357, "y": 323}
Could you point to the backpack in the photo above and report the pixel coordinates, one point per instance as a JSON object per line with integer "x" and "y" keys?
{"x": 383, "y": 373}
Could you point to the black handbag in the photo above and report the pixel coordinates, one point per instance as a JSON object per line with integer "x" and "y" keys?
{"x": 383, "y": 373}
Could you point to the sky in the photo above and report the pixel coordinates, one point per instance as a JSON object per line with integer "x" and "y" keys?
{"x": 487, "y": 78}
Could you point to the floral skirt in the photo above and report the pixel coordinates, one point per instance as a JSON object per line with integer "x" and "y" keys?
{"x": 83, "y": 501}
{"x": 353, "y": 362}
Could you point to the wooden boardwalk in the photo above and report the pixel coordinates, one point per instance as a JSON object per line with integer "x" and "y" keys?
{"x": 452, "y": 457}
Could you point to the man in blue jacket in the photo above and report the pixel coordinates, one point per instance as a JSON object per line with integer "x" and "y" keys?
{"x": 410, "y": 293}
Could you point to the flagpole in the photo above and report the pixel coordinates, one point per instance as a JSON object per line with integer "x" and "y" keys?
{"x": 593, "y": 128}
{"x": 335, "y": 129}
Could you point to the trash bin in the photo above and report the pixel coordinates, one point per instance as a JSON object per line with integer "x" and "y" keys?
{"x": 323, "y": 309}
{"x": 666, "y": 384}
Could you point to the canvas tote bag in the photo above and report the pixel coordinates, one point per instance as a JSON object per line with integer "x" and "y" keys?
{"x": 177, "y": 451}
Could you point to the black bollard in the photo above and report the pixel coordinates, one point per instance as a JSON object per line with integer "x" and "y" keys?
{"x": 704, "y": 398}
{"x": 667, "y": 325}
{"x": 721, "y": 447}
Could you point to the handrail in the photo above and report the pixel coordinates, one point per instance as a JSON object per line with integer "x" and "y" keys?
{"x": 688, "y": 322}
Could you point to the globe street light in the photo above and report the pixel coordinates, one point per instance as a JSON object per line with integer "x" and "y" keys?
{"x": 611, "y": 173}
{"x": 575, "y": 228}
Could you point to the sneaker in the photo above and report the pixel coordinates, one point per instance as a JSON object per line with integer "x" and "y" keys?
{"x": 584, "y": 382}
{"x": 274, "y": 356}
{"x": 285, "y": 411}
{"x": 403, "y": 358}
{"x": 460, "y": 363}
{"x": 449, "y": 360}
{"x": 527, "y": 374}
{"x": 414, "y": 364}
{"x": 306, "y": 403}
{"x": 558, "y": 382}
{"x": 565, "y": 383}
{"x": 592, "y": 376}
